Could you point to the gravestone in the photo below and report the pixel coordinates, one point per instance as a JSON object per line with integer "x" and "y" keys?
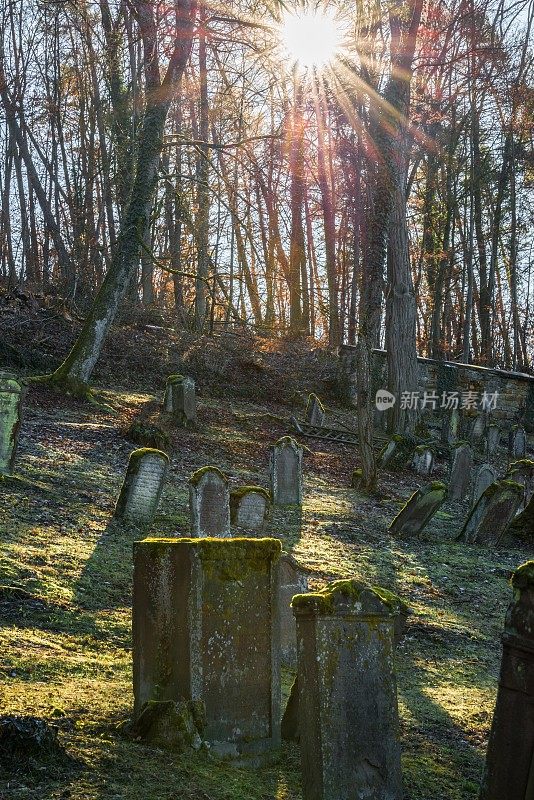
{"x": 487, "y": 522}
{"x": 397, "y": 452}
{"x": 293, "y": 580}
{"x": 522, "y": 472}
{"x": 477, "y": 432}
{"x": 315, "y": 412}
{"x": 206, "y": 629}
{"x": 461, "y": 467}
{"x": 249, "y": 507}
{"x": 484, "y": 477}
{"x": 209, "y": 503}
{"x": 347, "y": 695}
{"x": 423, "y": 461}
{"x": 450, "y": 427}
{"x": 517, "y": 442}
{"x": 180, "y": 399}
{"x": 286, "y": 472}
{"x": 509, "y": 771}
{"x": 11, "y": 396}
{"x": 419, "y": 509}
{"x": 141, "y": 491}
{"x": 493, "y": 438}
{"x": 523, "y": 524}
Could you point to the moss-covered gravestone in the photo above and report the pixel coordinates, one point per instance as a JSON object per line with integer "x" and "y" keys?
{"x": 419, "y": 509}
{"x": 517, "y": 442}
{"x": 423, "y": 460}
{"x": 206, "y": 629}
{"x": 315, "y": 412}
{"x": 488, "y": 520}
{"x": 209, "y": 503}
{"x": 286, "y": 472}
{"x": 461, "y": 468}
{"x": 180, "y": 399}
{"x": 484, "y": 477}
{"x": 522, "y": 472}
{"x": 249, "y": 507}
{"x": 293, "y": 580}
{"x": 141, "y": 491}
{"x": 509, "y": 772}
{"x": 523, "y": 524}
{"x": 347, "y": 695}
{"x": 11, "y": 396}
{"x": 450, "y": 427}
{"x": 493, "y": 439}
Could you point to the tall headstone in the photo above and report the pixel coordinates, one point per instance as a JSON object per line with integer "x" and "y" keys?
{"x": 423, "y": 460}
{"x": 509, "y": 772}
{"x": 484, "y": 477}
{"x": 493, "y": 439}
{"x": 249, "y": 507}
{"x": 286, "y": 472}
{"x": 488, "y": 521}
{"x": 209, "y": 503}
{"x": 11, "y": 396}
{"x": 206, "y": 629}
{"x": 461, "y": 467}
{"x": 180, "y": 399}
{"x": 477, "y": 431}
{"x": 517, "y": 442}
{"x": 315, "y": 412}
{"x": 143, "y": 484}
{"x": 347, "y": 695}
{"x": 450, "y": 427}
{"x": 293, "y": 580}
{"x": 419, "y": 509}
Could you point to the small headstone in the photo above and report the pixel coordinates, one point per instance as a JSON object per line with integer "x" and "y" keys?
{"x": 488, "y": 520}
{"x": 478, "y": 430}
{"x": 484, "y": 477}
{"x": 522, "y": 472}
{"x": 419, "y": 509}
{"x": 286, "y": 472}
{"x": 249, "y": 507}
{"x": 461, "y": 467}
{"x": 206, "y": 628}
{"x": 293, "y": 580}
{"x": 450, "y": 427}
{"x": 347, "y": 695}
{"x": 180, "y": 399}
{"x": 397, "y": 452}
{"x": 517, "y": 442}
{"x": 209, "y": 503}
{"x": 11, "y": 396}
{"x": 141, "y": 491}
{"x": 315, "y": 412}
{"x": 423, "y": 461}
{"x": 493, "y": 438}
{"x": 509, "y": 767}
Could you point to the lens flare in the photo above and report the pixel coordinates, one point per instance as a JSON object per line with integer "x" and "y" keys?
{"x": 312, "y": 38}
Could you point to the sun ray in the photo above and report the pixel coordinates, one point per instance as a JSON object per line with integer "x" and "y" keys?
{"x": 312, "y": 38}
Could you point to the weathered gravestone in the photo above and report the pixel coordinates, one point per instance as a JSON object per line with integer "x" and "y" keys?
{"x": 477, "y": 433}
{"x": 286, "y": 472}
{"x": 493, "y": 439}
{"x": 461, "y": 467}
{"x": 11, "y": 396}
{"x": 523, "y": 524}
{"x": 293, "y": 580}
{"x": 419, "y": 509}
{"x": 450, "y": 427}
{"x": 487, "y": 522}
{"x": 347, "y": 695}
{"x": 249, "y": 507}
{"x": 423, "y": 460}
{"x": 509, "y": 772}
{"x": 517, "y": 442}
{"x": 522, "y": 472}
{"x": 397, "y": 452}
{"x": 484, "y": 477}
{"x": 209, "y": 503}
{"x": 206, "y": 629}
{"x": 180, "y": 399}
{"x": 141, "y": 491}
{"x": 315, "y": 412}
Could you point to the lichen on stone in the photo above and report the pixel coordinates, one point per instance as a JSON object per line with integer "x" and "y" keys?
{"x": 197, "y": 476}
{"x": 523, "y": 577}
{"x": 346, "y": 595}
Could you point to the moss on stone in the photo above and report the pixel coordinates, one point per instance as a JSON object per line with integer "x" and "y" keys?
{"x": 197, "y": 476}
{"x": 523, "y": 577}
{"x": 172, "y": 380}
{"x": 241, "y": 491}
{"x": 286, "y": 441}
{"x": 136, "y": 457}
{"x": 314, "y": 398}
{"x": 338, "y": 594}
{"x": 148, "y": 435}
{"x": 392, "y": 600}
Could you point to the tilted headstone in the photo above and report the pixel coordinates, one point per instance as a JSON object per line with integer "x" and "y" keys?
{"x": 293, "y": 580}
{"x": 11, "y": 396}
{"x": 461, "y": 468}
{"x": 523, "y": 524}
{"x": 315, "y": 412}
{"x": 484, "y": 477}
{"x": 141, "y": 491}
{"x": 347, "y": 695}
{"x": 517, "y": 442}
{"x": 487, "y": 522}
{"x": 419, "y": 509}
{"x": 286, "y": 472}
{"x": 423, "y": 460}
{"x": 397, "y": 452}
{"x": 249, "y": 507}
{"x": 522, "y": 472}
{"x": 493, "y": 439}
{"x": 180, "y": 399}
{"x": 206, "y": 629}
{"x": 450, "y": 427}
{"x": 209, "y": 503}
{"x": 509, "y": 771}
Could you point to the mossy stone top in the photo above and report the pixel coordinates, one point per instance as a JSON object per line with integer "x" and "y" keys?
{"x": 523, "y": 577}
{"x": 287, "y": 441}
{"x": 174, "y": 379}
{"x": 237, "y": 494}
{"x": 197, "y": 476}
{"x": 348, "y": 597}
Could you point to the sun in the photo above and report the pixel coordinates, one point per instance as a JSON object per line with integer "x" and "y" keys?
{"x": 312, "y": 38}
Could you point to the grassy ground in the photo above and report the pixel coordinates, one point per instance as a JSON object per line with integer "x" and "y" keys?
{"x": 65, "y": 645}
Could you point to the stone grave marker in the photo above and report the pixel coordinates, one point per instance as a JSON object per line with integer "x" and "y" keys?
{"x": 517, "y": 442}
{"x": 484, "y": 477}
{"x": 209, "y": 503}
{"x": 206, "y": 629}
{"x": 286, "y": 472}
{"x": 487, "y": 522}
{"x": 143, "y": 484}
{"x": 315, "y": 412}
{"x": 493, "y": 438}
{"x": 450, "y": 427}
{"x": 11, "y": 396}
{"x": 347, "y": 695}
{"x": 522, "y": 472}
{"x": 461, "y": 467}
{"x": 508, "y": 773}
{"x": 423, "y": 460}
{"x": 249, "y": 507}
{"x": 419, "y": 509}
{"x": 523, "y": 524}
{"x": 477, "y": 432}
{"x": 180, "y": 399}
{"x": 293, "y": 580}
